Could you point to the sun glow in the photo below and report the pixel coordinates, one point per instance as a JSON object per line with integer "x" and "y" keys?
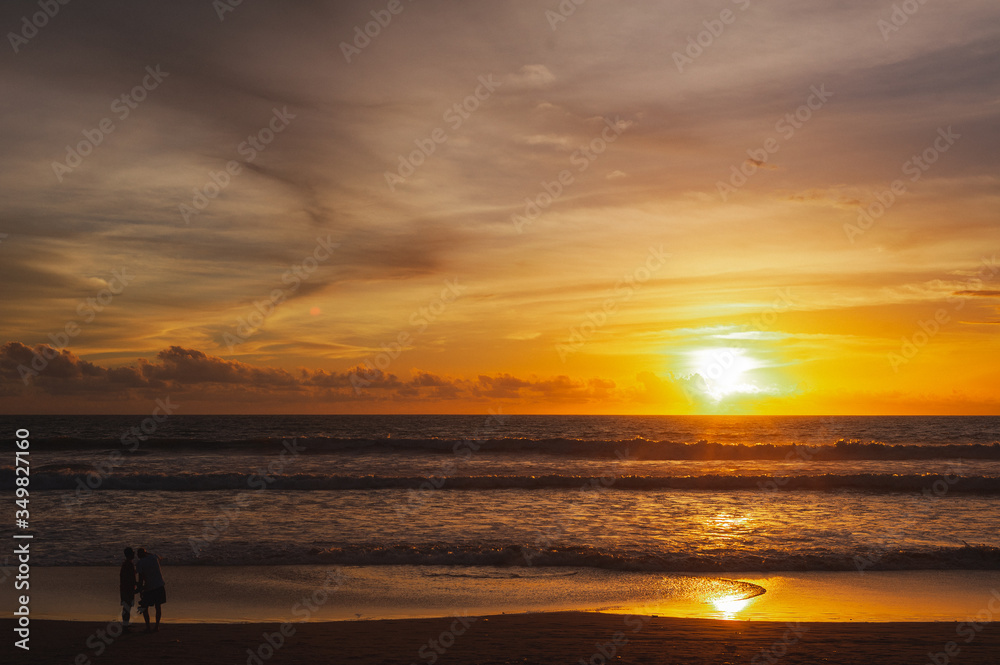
{"x": 725, "y": 371}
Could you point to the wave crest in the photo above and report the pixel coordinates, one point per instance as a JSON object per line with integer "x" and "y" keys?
{"x": 522, "y": 557}
{"x": 637, "y": 448}
{"x": 75, "y": 479}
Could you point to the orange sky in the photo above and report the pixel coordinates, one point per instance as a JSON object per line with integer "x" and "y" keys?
{"x": 487, "y": 207}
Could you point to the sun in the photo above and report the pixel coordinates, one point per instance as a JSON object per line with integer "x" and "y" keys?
{"x": 725, "y": 371}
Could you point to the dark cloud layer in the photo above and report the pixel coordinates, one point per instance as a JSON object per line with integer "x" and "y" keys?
{"x": 44, "y": 370}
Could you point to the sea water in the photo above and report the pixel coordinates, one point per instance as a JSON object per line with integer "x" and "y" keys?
{"x": 519, "y": 496}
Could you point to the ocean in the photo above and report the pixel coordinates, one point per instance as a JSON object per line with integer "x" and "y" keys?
{"x": 517, "y": 497}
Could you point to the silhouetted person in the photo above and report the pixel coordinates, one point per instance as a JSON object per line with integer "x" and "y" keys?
{"x": 127, "y": 586}
{"x": 154, "y": 592}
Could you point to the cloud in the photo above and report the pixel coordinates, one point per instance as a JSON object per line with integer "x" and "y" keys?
{"x": 500, "y": 386}
{"x": 530, "y": 76}
{"x": 45, "y": 370}
{"x": 838, "y": 197}
{"x": 762, "y": 164}
{"x": 18, "y": 361}
{"x": 547, "y": 139}
{"x": 984, "y": 294}
{"x": 524, "y": 336}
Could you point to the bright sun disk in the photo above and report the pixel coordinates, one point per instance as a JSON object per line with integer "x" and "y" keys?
{"x": 725, "y": 371}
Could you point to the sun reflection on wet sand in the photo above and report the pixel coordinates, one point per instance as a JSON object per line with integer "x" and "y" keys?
{"x": 731, "y": 607}
{"x": 730, "y": 597}
{"x": 704, "y": 597}
{"x": 839, "y": 596}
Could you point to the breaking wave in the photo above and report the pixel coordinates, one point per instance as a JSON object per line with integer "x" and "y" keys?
{"x": 77, "y": 478}
{"x": 635, "y": 449}
{"x": 513, "y": 558}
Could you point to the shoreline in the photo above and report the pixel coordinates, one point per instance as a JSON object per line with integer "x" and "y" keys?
{"x": 567, "y": 637}
{"x": 269, "y": 594}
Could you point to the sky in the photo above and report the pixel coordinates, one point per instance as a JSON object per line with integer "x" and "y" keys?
{"x": 633, "y": 207}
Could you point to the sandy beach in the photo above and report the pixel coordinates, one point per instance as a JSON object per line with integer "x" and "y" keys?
{"x": 569, "y": 637}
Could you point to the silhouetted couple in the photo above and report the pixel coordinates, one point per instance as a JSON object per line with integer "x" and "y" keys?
{"x": 152, "y": 591}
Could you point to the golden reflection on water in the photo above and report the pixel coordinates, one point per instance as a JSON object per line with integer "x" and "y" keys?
{"x": 703, "y": 597}
{"x": 727, "y": 521}
{"x": 731, "y": 606}
{"x": 726, "y": 526}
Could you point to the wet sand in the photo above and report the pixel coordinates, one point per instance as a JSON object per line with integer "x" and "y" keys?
{"x": 558, "y": 637}
{"x": 266, "y": 594}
